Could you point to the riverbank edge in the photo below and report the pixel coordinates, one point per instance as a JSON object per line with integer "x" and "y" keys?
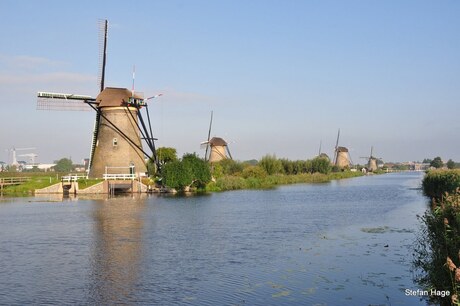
{"x": 221, "y": 184}
{"x": 233, "y": 182}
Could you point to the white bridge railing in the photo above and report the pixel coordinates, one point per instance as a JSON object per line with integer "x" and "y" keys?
{"x": 72, "y": 178}
{"x": 119, "y": 176}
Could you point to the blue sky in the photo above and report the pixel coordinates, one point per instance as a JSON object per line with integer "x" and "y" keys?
{"x": 280, "y": 76}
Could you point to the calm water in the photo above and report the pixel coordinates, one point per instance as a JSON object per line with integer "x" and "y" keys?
{"x": 343, "y": 243}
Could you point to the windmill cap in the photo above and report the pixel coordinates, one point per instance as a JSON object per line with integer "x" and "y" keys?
{"x": 217, "y": 141}
{"x": 112, "y": 96}
{"x": 342, "y": 149}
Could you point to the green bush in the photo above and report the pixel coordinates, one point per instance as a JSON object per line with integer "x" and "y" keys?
{"x": 190, "y": 171}
{"x": 437, "y": 182}
{"x": 254, "y": 172}
{"x": 199, "y": 170}
{"x": 230, "y": 183}
{"x": 271, "y": 164}
{"x": 226, "y": 167}
{"x": 321, "y": 165}
{"x": 176, "y": 175}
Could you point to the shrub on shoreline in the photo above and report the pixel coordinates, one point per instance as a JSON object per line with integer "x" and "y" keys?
{"x": 437, "y": 255}
{"x": 437, "y": 182}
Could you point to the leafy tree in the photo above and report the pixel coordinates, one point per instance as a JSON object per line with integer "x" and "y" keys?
{"x": 166, "y": 155}
{"x": 436, "y": 162}
{"x": 190, "y": 171}
{"x": 299, "y": 166}
{"x": 271, "y": 164}
{"x": 427, "y": 161}
{"x": 11, "y": 168}
{"x": 450, "y": 164}
{"x": 288, "y": 166}
{"x": 175, "y": 175}
{"x": 63, "y": 165}
{"x": 199, "y": 169}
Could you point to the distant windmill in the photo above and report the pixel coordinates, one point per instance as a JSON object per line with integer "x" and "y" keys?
{"x": 321, "y": 154}
{"x": 341, "y": 156}
{"x": 372, "y": 161}
{"x": 216, "y": 146}
{"x": 119, "y": 127}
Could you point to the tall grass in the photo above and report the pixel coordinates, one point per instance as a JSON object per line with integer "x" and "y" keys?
{"x": 437, "y": 250}
{"x": 234, "y": 182}
{"x": 437, "y": 182}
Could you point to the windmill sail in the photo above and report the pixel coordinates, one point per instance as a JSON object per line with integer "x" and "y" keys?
{"x": 103, "y": 29}
{"x": 209, "y": 136}
{"x": 336, "y": 148}
{"x": 63, "y": 101}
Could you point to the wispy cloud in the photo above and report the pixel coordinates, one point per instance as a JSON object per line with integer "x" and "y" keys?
{"x": 44, "y": 78}
{"x": 174, "y": 95}
{"x": 26, "y": 62}
{"x": 26, "y": 74}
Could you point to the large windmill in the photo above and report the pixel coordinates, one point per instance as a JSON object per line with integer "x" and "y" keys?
{"x": 372, "y": 161}
{"x": 216, "y": 146}
{"x": 119, "y": 128}
{"x": 341, "y": 156}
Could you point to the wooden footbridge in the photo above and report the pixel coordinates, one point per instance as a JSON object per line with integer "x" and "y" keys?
{"x": 9, "y": 181}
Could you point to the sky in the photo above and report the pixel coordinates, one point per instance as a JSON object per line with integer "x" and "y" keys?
{"x": 280, "y": 76}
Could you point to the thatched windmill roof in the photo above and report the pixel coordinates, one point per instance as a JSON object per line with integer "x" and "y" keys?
{"x": 112, "y": 96}
{"x": 217, "y": 141}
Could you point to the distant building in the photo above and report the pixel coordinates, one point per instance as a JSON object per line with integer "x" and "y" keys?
{"x": 86, "y": 163}
{"x": 42, "y": 167}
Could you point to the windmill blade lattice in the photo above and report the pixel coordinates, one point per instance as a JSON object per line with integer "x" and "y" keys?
{"x": 63, "y": 102}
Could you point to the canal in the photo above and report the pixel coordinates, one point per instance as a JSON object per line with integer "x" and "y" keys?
{"x": 347, "y": 242}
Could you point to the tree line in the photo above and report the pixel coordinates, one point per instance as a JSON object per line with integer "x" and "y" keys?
{"x": 191, "y": 171}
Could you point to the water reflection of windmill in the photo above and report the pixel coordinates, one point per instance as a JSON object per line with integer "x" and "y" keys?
{"x": 216, "y": 146}
{"x": 372, "y": 161}
{"x": 341, "y": 155}
{"x": 119, "y": 127}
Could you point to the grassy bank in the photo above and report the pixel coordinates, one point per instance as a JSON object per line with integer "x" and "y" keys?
{"x": 235, "y": 182}
{"x": 85, "y": 183}
{"x": 39, "y": 180}
{"x": 36, "y": 181}
{"x": 437, "y": 252}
